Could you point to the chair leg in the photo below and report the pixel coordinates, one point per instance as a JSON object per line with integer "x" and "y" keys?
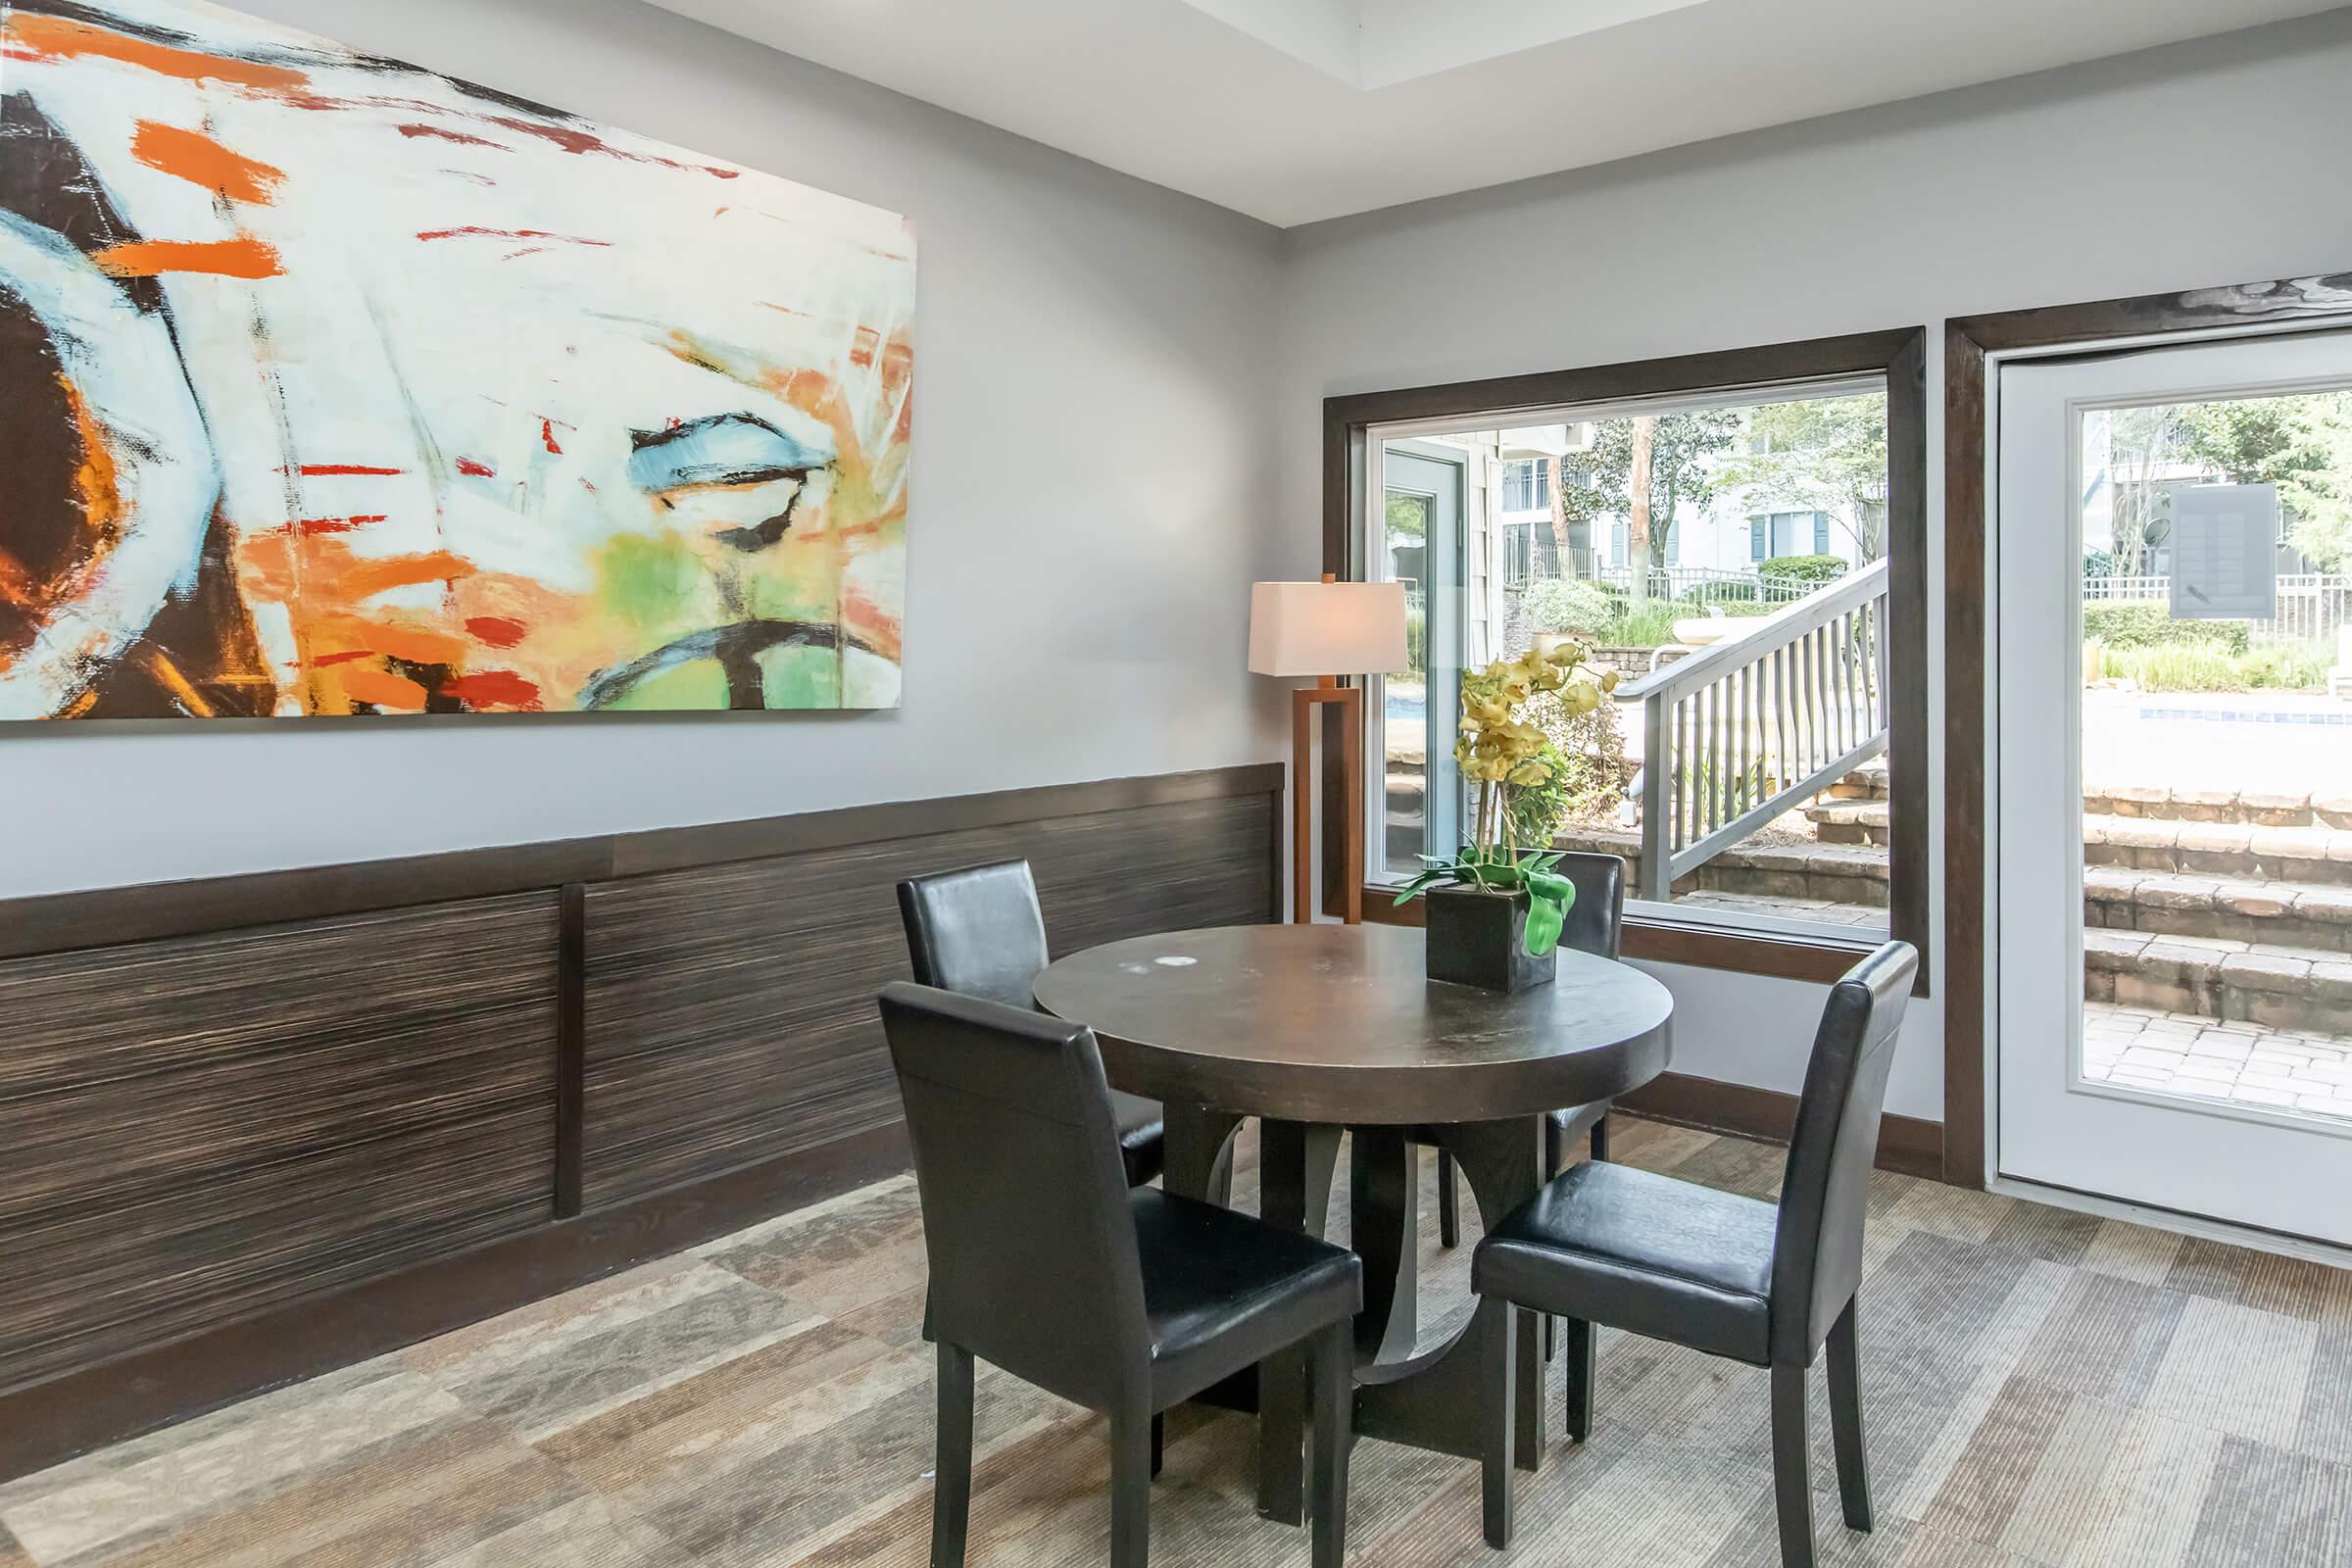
{"x": 952, "y": 1472}
{"x": 1159, "y": 1440}
{"x": 1450, "y": 1203}
{"x": 1130, "y": 1490}
{"x": 1578, "y": 1378}
{"x": 1600, "y": 1139}
{"x": 1556, "y": 1156}
{"x": 1497, "y": 1420}
{"x": 1845, "y": 1421}
{"x": 1334, "y": 1399}
{"x": 1791, "y": 1484}
{"x": 1281, "y": 1438}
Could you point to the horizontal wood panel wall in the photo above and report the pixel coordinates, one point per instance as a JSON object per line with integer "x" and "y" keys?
{"x": 255, "y": 1127}
{"x": 730, "y": 1011}
{"x": 196, "y": 1128}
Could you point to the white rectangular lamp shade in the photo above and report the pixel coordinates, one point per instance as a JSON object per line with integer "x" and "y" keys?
{"x": 1326, "y": 628}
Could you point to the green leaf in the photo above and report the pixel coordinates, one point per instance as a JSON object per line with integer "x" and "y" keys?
{"x": 1544, "y": 917}
{"x": 1549, "y": 886}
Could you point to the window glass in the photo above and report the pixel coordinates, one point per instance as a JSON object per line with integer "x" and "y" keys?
{"x": 1776, "y": 799}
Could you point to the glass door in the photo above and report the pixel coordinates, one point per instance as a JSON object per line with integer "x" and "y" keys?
{"x": 2174, "y": 780}
{"x": 1419, "y": 544}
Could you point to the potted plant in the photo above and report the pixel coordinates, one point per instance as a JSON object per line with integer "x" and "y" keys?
{"x": 1495, "y": 909}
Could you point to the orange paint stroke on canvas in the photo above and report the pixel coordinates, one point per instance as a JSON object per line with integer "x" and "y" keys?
{"x": 167, "y": 676}
{"x": 321, "y": 574}
{"x": 246, "y": 256}
{"x": 16, "y": 585}
{"x": 381, "y": 688}
{"x": 97, "y": 484}
{"x": 63, "y": 39}
{"x": 196, "y": 158}
{"x": 334, "y": 637}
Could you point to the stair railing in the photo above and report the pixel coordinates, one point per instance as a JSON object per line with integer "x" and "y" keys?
{"x": 1739, "y": 732}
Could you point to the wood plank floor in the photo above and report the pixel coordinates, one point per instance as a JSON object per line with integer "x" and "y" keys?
{"x": 2041, "y": 1388}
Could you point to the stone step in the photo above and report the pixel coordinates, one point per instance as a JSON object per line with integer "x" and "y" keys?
{"x": 2315, "y": 915}
{"x": 2275, "y": 985}
{"x": 1865, "y": 783}
{"x": 1834, "y": 873}
{"x": 2325, "y": 808}
{"x": 2245, "y": 850}
{"x": 1846, "y": 820}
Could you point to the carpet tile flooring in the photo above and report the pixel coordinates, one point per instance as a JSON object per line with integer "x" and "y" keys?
{"x": 2041, "y": 1388}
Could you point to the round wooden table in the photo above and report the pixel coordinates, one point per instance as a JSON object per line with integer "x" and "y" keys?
{"x": 1317, "y": 1029}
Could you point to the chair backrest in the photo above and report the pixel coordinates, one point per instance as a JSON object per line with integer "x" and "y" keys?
{"x": 1817, "y": 1255}
{"x": 1595, "y": 922}
{"x": 977, "y": 931}
{"x": 1026, "y": 1215}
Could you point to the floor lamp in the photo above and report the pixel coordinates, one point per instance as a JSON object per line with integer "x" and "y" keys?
{"x": 1327, "y": 629}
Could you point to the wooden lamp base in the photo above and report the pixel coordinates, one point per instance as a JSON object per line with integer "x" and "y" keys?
{"x": 1350, "y": 760}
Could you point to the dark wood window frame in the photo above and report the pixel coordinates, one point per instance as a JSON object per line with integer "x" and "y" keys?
{"x": 1900, "y": 356}
{"x": 1969, "y": 343}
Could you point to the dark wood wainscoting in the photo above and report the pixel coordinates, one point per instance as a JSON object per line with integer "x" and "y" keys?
{"x": 252, "y": 1128}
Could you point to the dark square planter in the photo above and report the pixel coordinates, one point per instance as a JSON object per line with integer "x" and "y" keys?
{"x": 1479, "y": 939}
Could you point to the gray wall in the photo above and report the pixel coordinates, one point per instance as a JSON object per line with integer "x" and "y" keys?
{"x": 1094, "y": 457}
{"x": 2208, "y": 163}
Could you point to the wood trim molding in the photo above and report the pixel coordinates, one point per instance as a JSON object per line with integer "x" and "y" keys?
{"x": 106, "y": 917}
{"x": 1767, "y": 366}
{"x": 1820, "y": 963}
{"x": 1907, "y": 1144}
{"x": 1699, "y": 947}
{"x": 2318, "y": 299}
{"x": 1900, "y": 355}
{"x": 46, "y": 1422}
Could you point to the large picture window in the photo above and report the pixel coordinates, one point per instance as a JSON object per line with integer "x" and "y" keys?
{"x": 1758, "y": 768}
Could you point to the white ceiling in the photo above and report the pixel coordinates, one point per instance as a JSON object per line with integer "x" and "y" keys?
{"x": 1298, "y": 109}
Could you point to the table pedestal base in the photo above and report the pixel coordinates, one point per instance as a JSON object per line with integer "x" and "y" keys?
{"x": 1428, "y": 1400}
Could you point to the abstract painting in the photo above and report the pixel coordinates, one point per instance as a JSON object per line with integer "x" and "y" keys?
{"x": 331, "y": 386}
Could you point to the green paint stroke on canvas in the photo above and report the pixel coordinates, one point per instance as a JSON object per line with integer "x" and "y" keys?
{"x": 650, "y": 582}
{"x": 801, "y": 677}
{"x": 698, "y": 685}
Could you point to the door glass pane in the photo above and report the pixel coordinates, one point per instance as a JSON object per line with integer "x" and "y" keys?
{"x": 1404, "y": 834}
{"x": 2216, "y": 750}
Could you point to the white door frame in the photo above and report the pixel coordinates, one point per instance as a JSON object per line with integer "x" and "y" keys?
{"x": 2063, "y": 1196}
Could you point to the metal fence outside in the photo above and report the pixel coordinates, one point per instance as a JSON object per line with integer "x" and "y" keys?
{"x": 2311, "y": 605}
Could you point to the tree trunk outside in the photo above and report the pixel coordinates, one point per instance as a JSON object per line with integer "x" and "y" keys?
{"x": 1559, "y": 518}
{"x": 1637, "y": 484}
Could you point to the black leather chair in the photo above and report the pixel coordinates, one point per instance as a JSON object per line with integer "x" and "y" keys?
{"x": 1596, "y": 924}
{"x": 980, "y": 932}
{"x": 1720, "y": 1273}
{"x": 1047, "y": 1263}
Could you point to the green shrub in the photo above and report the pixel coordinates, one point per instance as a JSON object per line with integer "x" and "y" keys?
{"x": 1651, "y": 626}
{"x": 1803, "y": 568}
{"x": 2127, "y": 624}
{"x": 1567, "y": 604}
{"x": 2209, "y": 667}
{"x": 1654, "y": 625}
{"x": 1416, "y": 639}
{"x": 1587, "y": 754}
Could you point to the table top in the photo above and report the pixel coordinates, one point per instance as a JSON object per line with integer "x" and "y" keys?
{"x": 1341, "y": 1025}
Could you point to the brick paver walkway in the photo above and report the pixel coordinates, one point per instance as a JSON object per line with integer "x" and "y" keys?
{"x": 2184, "y": 1053}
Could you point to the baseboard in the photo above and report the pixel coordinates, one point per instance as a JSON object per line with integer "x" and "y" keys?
{"x": 1907, "y": 1144}
{"x": 43, "y": 1423}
